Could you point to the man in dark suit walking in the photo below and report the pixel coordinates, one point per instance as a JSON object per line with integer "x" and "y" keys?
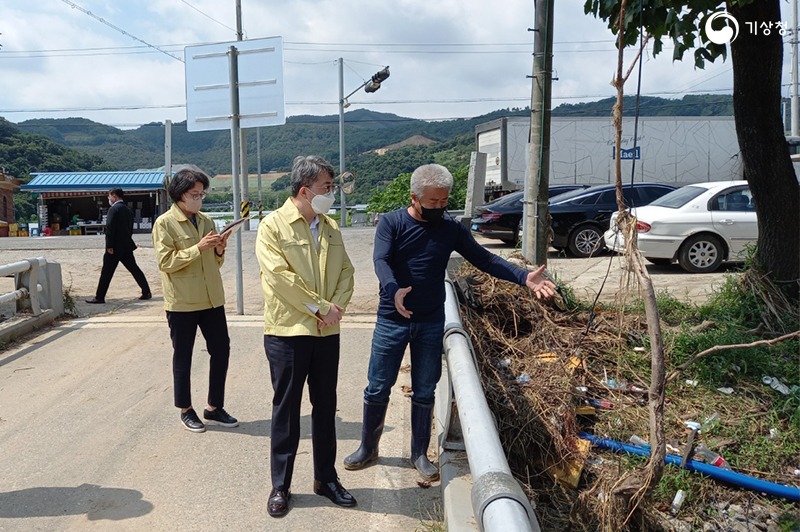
{"x": 119, "y": 247}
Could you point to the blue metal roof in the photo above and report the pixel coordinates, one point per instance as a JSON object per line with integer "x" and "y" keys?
{"x": 91, "y": 181}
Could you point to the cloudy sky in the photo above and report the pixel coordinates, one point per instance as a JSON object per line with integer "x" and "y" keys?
{"x": 122, "y": 64}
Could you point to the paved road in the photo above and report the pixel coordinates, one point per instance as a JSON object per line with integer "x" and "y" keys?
{"x": 90, "y": 438}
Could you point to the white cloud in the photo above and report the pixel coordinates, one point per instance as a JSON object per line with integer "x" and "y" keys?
{"x": 450, "y": 58}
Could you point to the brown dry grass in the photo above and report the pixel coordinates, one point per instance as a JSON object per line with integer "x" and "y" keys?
{"x": 534, "y": 398}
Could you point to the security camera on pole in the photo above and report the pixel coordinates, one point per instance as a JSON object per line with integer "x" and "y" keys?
{"x": 371, "y": 85}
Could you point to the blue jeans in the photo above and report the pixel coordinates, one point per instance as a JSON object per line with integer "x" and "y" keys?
{"x": 388, "y": 346}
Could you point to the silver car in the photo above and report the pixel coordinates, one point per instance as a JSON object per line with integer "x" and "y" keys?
{"x": 699, "y": 226}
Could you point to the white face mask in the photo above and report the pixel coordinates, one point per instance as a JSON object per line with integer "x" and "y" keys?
{"x": 322, "y": 203}
{"x": 192, "y": 205}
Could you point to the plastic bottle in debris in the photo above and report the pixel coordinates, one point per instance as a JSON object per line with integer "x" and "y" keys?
{"x": 775, "y": 384}
{"x": 639, "y": 442}
{"x": 601, "y": 403}
{"x": 677, "y": 502}
{"x": 709, "y": 423}
{"x": 706, "y": 455}
{"x": 613, "y": 384}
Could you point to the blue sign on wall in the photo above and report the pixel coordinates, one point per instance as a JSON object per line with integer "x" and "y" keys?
{"x": 629, "y": 154}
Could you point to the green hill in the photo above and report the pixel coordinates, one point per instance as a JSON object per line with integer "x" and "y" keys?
{"x": 143, "y": 147}
{"x": 23, "y": 152}
{"x": 81, "y": 144}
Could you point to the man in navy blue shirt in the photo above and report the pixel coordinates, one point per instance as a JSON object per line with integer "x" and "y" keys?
{"x": 412, "y": 249}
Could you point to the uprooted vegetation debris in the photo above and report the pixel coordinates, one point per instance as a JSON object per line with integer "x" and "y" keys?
{"x": 551, "y": 373}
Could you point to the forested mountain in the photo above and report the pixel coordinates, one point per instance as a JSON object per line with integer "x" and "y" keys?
{"x": 23, "y": 153}
{"x": 99, "y": 146}
{"x": 690, "y": 105}
{"x": 78, "y": 144}
{"x": 144, "y": 147}
{"x": 364, "y": 131}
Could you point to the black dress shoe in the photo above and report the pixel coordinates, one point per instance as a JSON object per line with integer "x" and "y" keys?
{"x": 95, "y": 301}
{"x": 335, "y": 492}
{"x": 278, "y": 503}
{"x": 148, "y": 295}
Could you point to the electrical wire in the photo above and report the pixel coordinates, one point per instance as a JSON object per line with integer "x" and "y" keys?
{"x": 208, "y": 16}
{"x": 110, "y": 25}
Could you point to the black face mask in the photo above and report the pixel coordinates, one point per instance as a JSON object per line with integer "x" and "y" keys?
{"x": 432, "y": 215}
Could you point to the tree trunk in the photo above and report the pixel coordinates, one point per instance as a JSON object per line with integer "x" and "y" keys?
{"x": 757, "y": 61}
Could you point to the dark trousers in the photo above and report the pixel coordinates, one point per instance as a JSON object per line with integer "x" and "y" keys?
{"x": 292, "y": 360}
{"x": 183, "y": 330}
{"x": 110, "y": 262}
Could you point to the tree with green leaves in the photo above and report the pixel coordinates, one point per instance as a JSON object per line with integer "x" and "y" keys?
{"x": 398, "y": 193}
{"x": 283, "y": 182}
{"x": 757, "y": 60}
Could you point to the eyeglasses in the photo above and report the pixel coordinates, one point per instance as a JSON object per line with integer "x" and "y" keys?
{"x": 197, "y": 195}
{"x": 326, "y": 188}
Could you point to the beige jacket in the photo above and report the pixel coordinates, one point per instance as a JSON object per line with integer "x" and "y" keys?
{"x": 294, "y": 275}
{"x": 190, "y": 279}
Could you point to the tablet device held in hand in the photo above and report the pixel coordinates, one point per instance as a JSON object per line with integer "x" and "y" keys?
{"x": 233, "y": 226}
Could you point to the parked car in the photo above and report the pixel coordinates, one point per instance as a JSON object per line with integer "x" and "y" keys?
{"x": 700, "y": 226}
{"x": 501, "y": 218}
{"x": 579, "y": 218}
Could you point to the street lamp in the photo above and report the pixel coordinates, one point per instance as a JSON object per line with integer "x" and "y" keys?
{"x": 371, "y": 85}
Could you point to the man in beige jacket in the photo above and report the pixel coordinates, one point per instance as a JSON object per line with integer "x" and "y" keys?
{"x": 307, "y": 279}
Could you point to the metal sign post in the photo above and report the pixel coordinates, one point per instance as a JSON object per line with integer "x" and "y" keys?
{"x": 233, "y": 67}
{"x": 245, "y": 99}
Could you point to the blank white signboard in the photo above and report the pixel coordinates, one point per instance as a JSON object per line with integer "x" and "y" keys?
{"x": 208, "y": 92}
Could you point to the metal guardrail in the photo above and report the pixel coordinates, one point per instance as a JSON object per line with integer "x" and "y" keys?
{"x": 498, "y": 502}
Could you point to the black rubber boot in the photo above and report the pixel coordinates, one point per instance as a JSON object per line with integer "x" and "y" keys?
{"x": 371, "y": 430}
{"x": 420, "y": 438}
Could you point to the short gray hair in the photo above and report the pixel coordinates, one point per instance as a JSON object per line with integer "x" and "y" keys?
{"x": 305, "y": 170}
{"x": 430, "y": 175}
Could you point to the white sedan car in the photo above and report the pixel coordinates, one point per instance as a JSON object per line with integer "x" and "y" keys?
{"x": 697, "y": 225}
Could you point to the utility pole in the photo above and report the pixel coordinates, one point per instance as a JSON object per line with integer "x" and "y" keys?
{"x": 258, "y": 169}
{"x": 243, "y": 168}
{"x": 342, "y": 201}
{"x": 795, "y": 104}
{"x": 162, "y": 204}
{"x": 233, "y": 65}
{"x": 536, "y": 224}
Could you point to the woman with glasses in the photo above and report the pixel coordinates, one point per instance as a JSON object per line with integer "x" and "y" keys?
{"x": 190, "y": 253}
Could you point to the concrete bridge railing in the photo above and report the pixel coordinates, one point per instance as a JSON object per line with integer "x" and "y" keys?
{"x": 38, "y": 296}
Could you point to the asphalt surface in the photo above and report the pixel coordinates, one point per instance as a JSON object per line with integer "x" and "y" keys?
{"x": 91, "y": 439}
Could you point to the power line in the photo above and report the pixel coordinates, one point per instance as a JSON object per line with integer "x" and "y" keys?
{"x": 408, "y": 48}
{"x": 297, "y": 47}
{"x": 111, "y": 108}
{"x": 110, "y": 25}
{"x": 208, "y": 16}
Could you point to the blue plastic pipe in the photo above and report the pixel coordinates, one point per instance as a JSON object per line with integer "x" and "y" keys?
{"x": 726, "y": 475}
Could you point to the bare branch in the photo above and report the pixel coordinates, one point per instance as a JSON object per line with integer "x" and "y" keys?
{"x": 718, "y": 348}
{"x": 637, "y": 58}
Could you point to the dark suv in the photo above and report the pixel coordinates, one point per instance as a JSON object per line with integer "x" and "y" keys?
{"x": 579, "y": 218}
{"x": 501, "y": 218}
